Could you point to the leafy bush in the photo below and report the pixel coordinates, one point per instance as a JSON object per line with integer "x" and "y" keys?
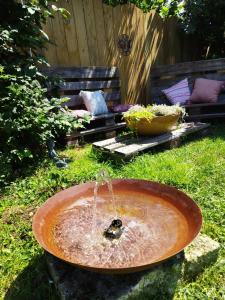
{"x": 205, "y": 20}
{"x": 27, "y": 118}
{"x": 164, "y": 7}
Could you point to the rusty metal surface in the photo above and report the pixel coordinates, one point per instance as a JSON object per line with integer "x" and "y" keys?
{"x": 167, "y": 220}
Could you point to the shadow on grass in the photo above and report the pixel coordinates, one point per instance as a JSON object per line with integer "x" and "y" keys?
{"x": 12, "y": 173}
{"x": 33, "y": 283}
{"x": 217, "y": 129}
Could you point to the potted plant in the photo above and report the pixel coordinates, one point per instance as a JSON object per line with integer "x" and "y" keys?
{"x": 153, "y": 119}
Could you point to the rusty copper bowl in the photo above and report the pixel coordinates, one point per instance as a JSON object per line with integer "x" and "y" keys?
{"x": 159, "y": 221}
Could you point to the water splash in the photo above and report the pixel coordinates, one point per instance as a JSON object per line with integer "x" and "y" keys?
{"x": 146, "y": 231}
{"x": 103, "y": 178}
{"x": 145, "y": 237}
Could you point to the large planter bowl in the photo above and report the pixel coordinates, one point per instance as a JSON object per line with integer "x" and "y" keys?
{"x": 157, "y": 125}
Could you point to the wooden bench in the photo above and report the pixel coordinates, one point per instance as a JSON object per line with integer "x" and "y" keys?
{"x": 91, "y": 79}
{"x": 165, "y": 76}
{"x": 127, "y": 146}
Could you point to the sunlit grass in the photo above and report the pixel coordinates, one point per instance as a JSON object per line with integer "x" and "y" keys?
{"x": 197, "y": 168}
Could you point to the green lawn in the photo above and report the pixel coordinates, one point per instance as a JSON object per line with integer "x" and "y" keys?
{"x": 197, "y": 168}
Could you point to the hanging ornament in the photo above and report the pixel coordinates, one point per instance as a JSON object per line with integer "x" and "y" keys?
{"x": 124, "y": 44}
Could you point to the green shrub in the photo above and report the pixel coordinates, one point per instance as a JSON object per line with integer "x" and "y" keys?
{"x": 27, "y": 117}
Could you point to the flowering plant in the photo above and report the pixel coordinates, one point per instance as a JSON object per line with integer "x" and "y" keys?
{"x": 139, "y": 112}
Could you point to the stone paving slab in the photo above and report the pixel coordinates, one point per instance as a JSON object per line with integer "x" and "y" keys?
{"x": 161, "y": 281}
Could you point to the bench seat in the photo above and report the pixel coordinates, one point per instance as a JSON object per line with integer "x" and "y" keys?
{"x": 72, "y": 138}
{"x": 222, "y": 103}
{"x": 163, "y": 77}
{"x": 76, "y": 79}
{"x": 105, "y": 116}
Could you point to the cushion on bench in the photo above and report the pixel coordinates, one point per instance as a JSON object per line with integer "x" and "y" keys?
{"x": 206, "y": 91}
{"x": 90, "y": 79}
{"x": 120, "y": 108}
{"x": 178, "y": 93}
{"x": 94, "y": 102}
{"x": 165, "y": 76}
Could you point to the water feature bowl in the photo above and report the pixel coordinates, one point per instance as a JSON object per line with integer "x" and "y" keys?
{"x": 158, "y": 222}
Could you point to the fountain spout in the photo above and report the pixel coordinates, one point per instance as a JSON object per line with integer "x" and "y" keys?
{"x": 115, "y": 230}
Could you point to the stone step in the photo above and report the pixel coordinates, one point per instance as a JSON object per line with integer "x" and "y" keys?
{"x": 73, "y": 283}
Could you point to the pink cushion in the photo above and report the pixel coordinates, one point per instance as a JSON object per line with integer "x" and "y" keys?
{"x": 121, "y": 108}
{"x": 80, "y": 113}
{"x": 178, "y": 93}
{"x": 206, "y": 90}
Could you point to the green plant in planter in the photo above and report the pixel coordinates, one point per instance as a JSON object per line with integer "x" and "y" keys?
{"x": 166, "y": 110}
{"x": 139, "y": 112}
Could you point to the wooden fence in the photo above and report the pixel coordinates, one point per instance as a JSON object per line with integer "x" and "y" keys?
{"x": 90, "y": 38}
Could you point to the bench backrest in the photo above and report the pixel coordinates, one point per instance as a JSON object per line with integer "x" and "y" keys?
{"x": 165, "y": 76}
{"x": 87, "y": 78}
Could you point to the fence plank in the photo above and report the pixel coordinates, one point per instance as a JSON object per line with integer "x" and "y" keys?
{"x": 81, "y": 32}
{"x": 91, "y": 31}
{"x": 60, "y": 40}
{"x": 71, "y": 31}
{"x": 108, "y": 24}
{"x": 101, "y": 35}
{"x": 52, "y": 54}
